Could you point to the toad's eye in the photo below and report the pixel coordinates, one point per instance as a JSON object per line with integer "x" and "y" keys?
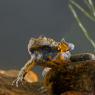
{"x": 63, "y": 47}
{"x": 44, "y": 49}
{"x": 48, "y": 52}
{"x": 48, "y": 49}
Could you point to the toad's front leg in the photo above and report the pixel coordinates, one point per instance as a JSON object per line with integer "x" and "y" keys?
{"x": 27, "y": 67}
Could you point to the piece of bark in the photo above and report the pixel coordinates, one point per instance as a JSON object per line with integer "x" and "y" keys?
{"x": 6, "y": 88}
{"x": 77, "y": 76}
{"x": 6, "y": 78}
{"x": 76, "y": 93}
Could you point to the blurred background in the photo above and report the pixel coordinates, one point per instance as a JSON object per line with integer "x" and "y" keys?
{"x": 22, "y": 19}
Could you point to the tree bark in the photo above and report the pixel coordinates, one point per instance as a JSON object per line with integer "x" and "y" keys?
{"x": 27, "y": 88}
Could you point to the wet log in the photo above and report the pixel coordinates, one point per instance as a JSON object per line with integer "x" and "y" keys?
{"x": 28, "y": 88}
{"x": 75, "y": 77}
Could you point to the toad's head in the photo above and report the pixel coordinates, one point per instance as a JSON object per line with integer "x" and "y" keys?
{"x": 46, "y": 48}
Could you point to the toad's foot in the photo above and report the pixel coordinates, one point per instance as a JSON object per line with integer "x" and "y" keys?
{"x": 19, "y": 79}
{"x": 42, "y": 90}
{"x": 17, "y": 82}
{"x": 45, "y": 71}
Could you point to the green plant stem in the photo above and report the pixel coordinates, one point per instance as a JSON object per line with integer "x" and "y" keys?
{"x": 82, "y": 27}
{"x": 87, "y": 3}
{"x": 92, "y": 7}
{"x": 82, "y": 10}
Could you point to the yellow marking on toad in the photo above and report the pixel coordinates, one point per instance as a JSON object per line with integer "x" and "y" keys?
{"x": 63, "y": 47}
